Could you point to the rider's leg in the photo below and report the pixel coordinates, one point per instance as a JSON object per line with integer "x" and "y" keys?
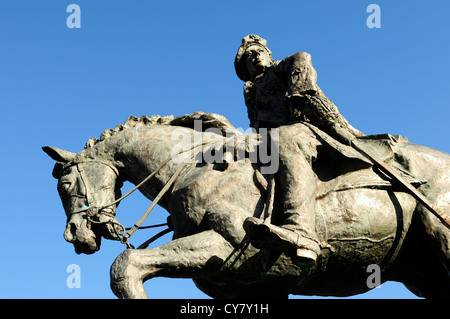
{"x": 296, "y": 181}
{"x": 298, "y": 186}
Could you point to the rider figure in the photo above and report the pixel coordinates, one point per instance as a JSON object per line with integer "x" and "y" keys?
{"x": 280, "y": 93}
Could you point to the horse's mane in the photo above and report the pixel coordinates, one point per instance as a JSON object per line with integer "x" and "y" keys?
{"x": 208, "y": 120}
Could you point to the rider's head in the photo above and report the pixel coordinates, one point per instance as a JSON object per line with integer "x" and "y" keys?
{"x": 252, "y": 58}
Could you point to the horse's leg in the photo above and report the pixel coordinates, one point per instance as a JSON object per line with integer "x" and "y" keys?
{"x": 181, "y": 258}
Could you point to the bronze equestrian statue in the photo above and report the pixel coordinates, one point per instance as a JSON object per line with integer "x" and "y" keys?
{"x": 312, "y": 227}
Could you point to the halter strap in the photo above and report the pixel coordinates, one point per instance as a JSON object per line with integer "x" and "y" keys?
{"x": 81, "y": 171}
{"x": 176, "y": 174}
{"x": 75, "y": 162}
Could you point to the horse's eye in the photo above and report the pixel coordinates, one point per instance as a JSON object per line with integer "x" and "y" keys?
{"x": 64, "y": 187}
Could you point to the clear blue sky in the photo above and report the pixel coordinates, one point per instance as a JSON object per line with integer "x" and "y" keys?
{"x": 61, "y": 86}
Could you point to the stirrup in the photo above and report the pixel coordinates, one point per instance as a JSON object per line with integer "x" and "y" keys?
{"x": 277, "y": 238}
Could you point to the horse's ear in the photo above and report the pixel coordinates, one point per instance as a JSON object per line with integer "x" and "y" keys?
{"x": 58, "y": 154}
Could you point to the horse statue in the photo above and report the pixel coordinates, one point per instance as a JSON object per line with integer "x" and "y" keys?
{"x": 363, "y": 218}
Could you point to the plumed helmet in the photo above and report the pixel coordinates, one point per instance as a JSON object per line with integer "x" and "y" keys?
{"x": 239, "y": 61}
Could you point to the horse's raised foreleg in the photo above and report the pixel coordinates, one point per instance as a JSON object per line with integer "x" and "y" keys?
{"x": 181, "y": 258}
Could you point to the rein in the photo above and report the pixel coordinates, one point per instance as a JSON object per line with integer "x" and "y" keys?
{"x": 92, "y": 211}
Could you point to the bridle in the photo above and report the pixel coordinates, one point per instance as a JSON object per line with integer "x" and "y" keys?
{"x": 93, "y": 211}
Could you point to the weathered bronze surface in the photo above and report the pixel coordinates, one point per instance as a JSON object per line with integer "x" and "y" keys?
{"x": 304, "y": 205}
{"x": 362, "y": 217}
{"x": 284, "y": 93}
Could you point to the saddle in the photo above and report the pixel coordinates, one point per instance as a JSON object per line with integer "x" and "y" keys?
{"x": 340, "y": 167}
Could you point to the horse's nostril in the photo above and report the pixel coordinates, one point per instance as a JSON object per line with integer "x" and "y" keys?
{"x": 69, "y": 232}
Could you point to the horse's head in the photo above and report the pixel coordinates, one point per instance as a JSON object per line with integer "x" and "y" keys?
{"x": 86, "y": 189}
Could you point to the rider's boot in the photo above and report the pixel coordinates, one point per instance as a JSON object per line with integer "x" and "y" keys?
{"x": 281, "y": 238}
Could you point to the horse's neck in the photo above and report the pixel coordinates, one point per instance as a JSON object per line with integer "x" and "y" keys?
{"x": 137, "y": 153}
